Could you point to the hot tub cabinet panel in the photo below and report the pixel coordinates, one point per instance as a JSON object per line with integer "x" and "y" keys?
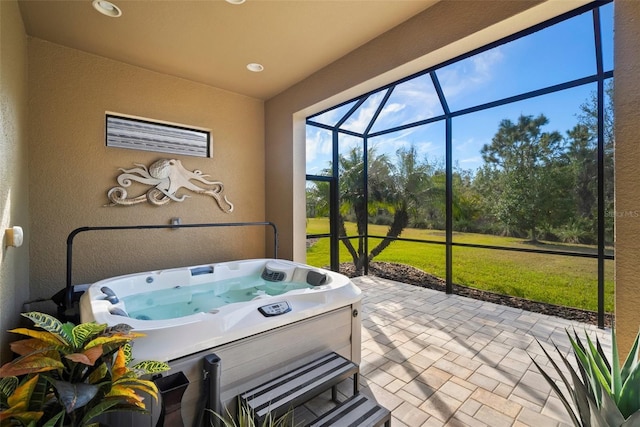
{"x": 254, "y": 360}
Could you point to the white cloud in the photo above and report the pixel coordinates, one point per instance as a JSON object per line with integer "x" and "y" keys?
{"x": 469, "y": 75}
{"x": 474, "y": 160}
{"x": 411, "y": 101}
{"x": 318, "y": 148}
{"x": 425, "y": 147}
{"x": 362, "y": 117}
{"x": 348, "y": 143}
{"x": 392, "y": 108}
{"x": 484, "y": 63}
{"x": 332, "y": 116}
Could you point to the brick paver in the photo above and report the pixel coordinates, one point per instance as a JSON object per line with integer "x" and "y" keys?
{"x": 445, "y": 360}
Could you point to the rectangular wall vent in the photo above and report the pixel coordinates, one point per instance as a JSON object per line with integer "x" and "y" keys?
{"x": 146, "y": 135}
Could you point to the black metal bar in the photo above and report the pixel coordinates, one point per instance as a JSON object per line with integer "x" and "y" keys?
{"x": 499, "y": 248}
{"x": 350, "y": 112}
{"x": 408, "y": 126}
{"x": 343, "y": 131}
{"x": 601, "y": 192}
{"x": 365, "y": 190}
{"x": 365, "y": 169}
{"x": 449, "y": 206}
{"x": 322, "y": 178}
{"x": 504, "y": 40}
{"x": 334, "y": 207}
{"x": 499, "y": 102}
{"x": 319, "y": 125}
{"x": 334, "y": 186}
{"x": 531, "y": 94}
{"x": 379, "y": 110}
{"x": 74, "y": 233}
{"x": 318, "y": 236}
{"x": 448, "y": 184}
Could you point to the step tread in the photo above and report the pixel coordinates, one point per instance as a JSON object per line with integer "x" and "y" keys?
{"x": 297, "y": 386}
{"x": 356, "y": 411}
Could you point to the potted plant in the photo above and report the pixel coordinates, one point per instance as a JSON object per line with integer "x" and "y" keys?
{"x": 67, "y": 375}
{"x": 603, "y": 393}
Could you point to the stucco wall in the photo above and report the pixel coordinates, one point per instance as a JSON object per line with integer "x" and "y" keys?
{"x": 627, "y": 163}
{"x": 71, "y": 169}
{"x": 14, "y": 262}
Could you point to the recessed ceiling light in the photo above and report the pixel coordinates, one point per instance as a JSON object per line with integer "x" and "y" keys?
{"x": 236, "y": 1}
{"x": 255, "y": 67}
{"x": 107, "y": 8}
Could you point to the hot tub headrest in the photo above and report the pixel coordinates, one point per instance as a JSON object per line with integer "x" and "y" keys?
{"x": 315, "y": 278}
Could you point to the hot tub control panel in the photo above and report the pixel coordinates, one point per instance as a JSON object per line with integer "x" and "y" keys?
{"x": 275, "y": 309}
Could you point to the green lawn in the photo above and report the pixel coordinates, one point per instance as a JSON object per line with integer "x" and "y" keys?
{"x": 555, "y": 279}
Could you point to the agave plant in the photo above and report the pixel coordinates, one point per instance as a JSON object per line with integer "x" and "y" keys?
{"x": 246, "y": 418}
{"x": 603, "y": 394}
{"x": 66, "y": 375}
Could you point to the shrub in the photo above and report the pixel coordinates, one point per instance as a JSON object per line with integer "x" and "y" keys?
{"x": 68, "y": 375}
{"x": 604, "y": 394}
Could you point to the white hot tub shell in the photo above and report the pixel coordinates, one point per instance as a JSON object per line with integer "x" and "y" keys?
{"x": 256, "y": 339}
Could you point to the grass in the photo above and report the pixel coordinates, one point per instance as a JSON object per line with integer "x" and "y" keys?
{"x": 555, "y": 279}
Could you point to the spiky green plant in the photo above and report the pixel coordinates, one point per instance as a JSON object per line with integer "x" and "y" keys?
{"x": 246, "y": 418}
{"x": 67, "y": 374}
{"x": 603, "y": 394}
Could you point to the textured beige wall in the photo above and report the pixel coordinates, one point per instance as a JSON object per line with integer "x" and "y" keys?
{"x": 627, "y": 161}
{"x": 71, "y": 169}
{"x": 14, "y": 262}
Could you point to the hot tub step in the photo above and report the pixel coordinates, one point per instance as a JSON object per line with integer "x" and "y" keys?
{"x": 356, "y": 411}
{"x": 295, "y": 387}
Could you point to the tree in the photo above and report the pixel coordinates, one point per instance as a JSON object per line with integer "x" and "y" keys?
{"x": 412, "y": 184}
{"x": 353, "y": 200}
{"x": 317, "y": 195}
{"x": 582, "y": 155}
{"x": 526, "y": 167}
{"x": 467, "y": 202}
{"x": 588, "y": 118}
{"x": 397, "y": 188}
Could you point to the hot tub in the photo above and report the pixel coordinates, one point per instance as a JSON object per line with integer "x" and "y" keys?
{"x": 184, "y": 311}
{"x": 259, "y": 317}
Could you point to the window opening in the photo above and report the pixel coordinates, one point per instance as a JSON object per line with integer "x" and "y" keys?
{"x": 546, "y": 91}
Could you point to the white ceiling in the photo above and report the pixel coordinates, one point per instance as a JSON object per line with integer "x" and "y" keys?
{"x": 212, "y": 41}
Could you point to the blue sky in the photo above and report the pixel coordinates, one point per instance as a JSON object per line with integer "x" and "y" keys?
{"x": 554, "y": 55}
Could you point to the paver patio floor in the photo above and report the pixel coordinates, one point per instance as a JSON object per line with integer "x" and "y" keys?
{"x": 444, "y": 360}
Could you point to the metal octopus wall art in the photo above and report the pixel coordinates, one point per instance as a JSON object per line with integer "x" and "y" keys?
{"x": 167, "y": 176}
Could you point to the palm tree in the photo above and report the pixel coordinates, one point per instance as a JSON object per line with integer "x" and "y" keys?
{"x": 352, "y": 197}
{"x": 401, "y": 189}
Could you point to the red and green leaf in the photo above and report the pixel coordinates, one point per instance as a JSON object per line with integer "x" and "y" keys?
{"x": 87, "y": 357}
{"x": 30, "y": 365}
